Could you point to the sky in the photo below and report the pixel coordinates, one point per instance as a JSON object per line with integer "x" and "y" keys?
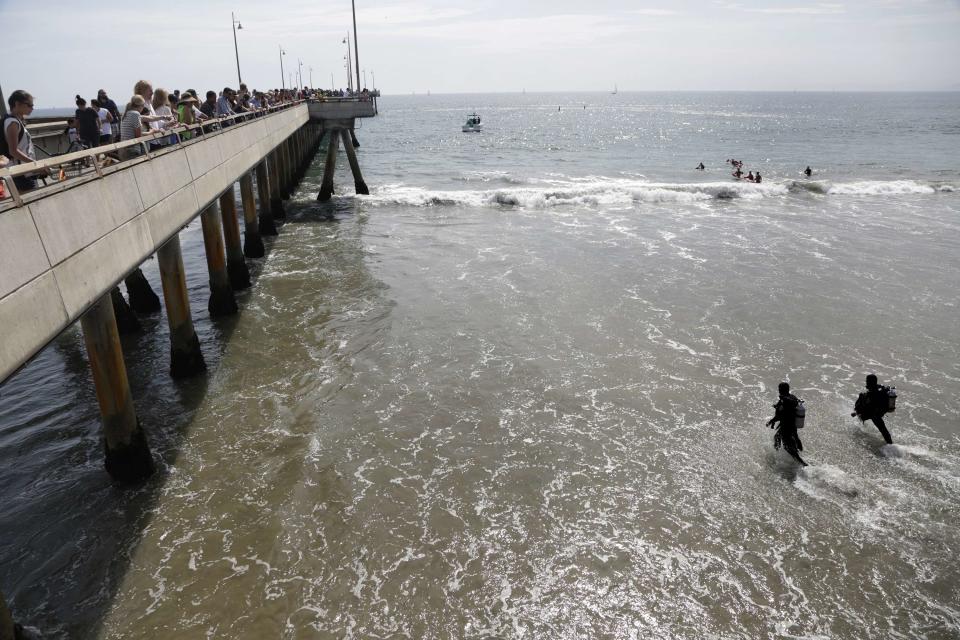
{"x": 57, "y": 49}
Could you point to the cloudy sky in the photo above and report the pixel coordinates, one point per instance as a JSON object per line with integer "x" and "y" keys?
{"x": 56, "y": 49}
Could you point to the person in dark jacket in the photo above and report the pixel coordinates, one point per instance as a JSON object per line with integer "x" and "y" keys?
{"x": 784, "y": 420}
{"x": 88, "y": 123}
{"x": 873, "y": 404}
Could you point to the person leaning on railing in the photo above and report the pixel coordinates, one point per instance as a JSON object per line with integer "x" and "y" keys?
{"x": 17, "y": 141}
{"x": 131, "y": 127}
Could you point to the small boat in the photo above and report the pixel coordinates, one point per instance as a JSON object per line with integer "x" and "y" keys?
{"x": 473, "y": 124}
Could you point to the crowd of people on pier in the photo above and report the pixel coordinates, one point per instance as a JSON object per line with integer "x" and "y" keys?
{"x": 100, "y": 121}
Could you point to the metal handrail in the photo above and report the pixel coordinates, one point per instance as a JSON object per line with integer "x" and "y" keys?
{"x": 8, "y": 173}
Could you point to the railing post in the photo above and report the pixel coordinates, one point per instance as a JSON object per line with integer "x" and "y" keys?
{"x": 267, "y": 226}
{"x": 127, "y": 454}
{"x": 186, "y": 359}
{"x": 236, "y": 264}
{"x": 252, "y": 242}
{"x": 222, "y": 302}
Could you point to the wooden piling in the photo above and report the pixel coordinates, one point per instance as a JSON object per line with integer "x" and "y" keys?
{"x": 127, "y": 454}
{"x": 127, "y": 321}
{"x": 276, "y": 199}
{"x": 7, "y": 628}
{"x": 326, "y": 188}
{"x": 142, "y": 297}
{"x": 222, "y": 302}
{"x": 186, "y": 359}
{"x": 353, "y": 138}
{"x": 252, "y": 242}
{"x": 236, "y": 264}
{"x": 267, "y": 225}
{"x": 289, "y": 179}
{"x": 358, "y": 182}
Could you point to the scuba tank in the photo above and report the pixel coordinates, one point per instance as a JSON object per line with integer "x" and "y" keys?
{"x": 800, "y": 415}
{"x": 891, "y": 399}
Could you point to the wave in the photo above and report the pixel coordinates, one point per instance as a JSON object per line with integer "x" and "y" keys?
{"x": 596, "y": 192}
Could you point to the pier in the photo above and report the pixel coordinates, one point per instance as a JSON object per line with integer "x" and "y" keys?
{"x": 65, "y": 246}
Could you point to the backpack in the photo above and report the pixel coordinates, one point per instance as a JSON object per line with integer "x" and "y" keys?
{"x": 4, "y": 148}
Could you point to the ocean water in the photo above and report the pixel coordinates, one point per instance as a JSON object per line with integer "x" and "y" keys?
{"x": 519, "y": 391}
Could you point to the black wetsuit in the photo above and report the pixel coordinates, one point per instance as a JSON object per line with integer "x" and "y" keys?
{"x": 872, "y": 405}
{"x": 785, "y": 419}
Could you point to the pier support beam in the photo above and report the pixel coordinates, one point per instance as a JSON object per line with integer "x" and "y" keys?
{"x": 276, "y": 199}
{"x": 186, "y": 359}
{"x": 7, "y": 628}
{"x": 252, "y": 242}
{"x": 127, "y": 454}
{"x": 142, "y": 297}
{"x": 353, "y": 138}
{"x": 267, "y": 225}
{"x": 290, "y": 182}
{"x": 127, "y": 321}
{"x": 222, "y": 302}
{"x": 326, "y": 189}
{"x": 236, "y": 264}
{"x": 358, "y": 182}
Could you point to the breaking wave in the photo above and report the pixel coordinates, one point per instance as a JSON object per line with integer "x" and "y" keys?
{"x": 612, "y": 192}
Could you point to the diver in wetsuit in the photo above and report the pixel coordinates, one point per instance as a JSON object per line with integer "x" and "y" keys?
{"x": 873, "y": 404}
{"x": 786, "y": 415}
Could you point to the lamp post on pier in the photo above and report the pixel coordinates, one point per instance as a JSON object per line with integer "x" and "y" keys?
{"x": 347, "y": 57}
{"x": 373, "y": 78}
{"x": 311, "y": 76}
{"x": 235, "y": 25}
{"x": 299, "y": 74}
{"x": 282, "y": 76}
{"x": 356, "y": 51}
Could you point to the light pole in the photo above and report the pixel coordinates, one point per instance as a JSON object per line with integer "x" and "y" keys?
{"x": 364, "y": 79}
{"x": 333, "y": 85}
{"x": 373, "y": 78}
{"x": 299, "y": 74}
{"x": 235, "y": 25}
{"x": 282, "y": 53}
{"x": 356, "y": 52}
{"x": 346, "y": 41}
{"x": 311, "y": 76}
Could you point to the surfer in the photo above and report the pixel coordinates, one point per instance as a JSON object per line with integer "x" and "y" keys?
{"x": 807, "y": 172}
{"x": 700, "y": 167}
{"x": 873, "y": 404}
{"x": 786, "y": 431}
{"x": 757, "y": 178}
{"x": 750, "y": 176}
{"x": 738, "y": 174}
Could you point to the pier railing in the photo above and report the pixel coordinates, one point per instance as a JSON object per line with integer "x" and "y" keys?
{"x": 81, "y": 166}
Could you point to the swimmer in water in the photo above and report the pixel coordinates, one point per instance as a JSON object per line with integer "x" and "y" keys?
{"x": 807, "y": 172}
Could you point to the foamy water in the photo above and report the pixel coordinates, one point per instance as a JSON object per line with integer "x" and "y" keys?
{"x": 520, "y": 391}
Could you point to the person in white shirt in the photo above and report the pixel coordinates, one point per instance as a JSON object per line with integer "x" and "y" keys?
{"x": 106, "y": 118}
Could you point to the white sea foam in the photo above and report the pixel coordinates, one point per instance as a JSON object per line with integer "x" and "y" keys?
{"x": 821, "y": 481}
{"x": 593, "y": 191}
{"x": 880, "y": 188}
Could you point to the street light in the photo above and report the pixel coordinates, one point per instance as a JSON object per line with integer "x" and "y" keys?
{"x": 311, "y": 76}
{"x": 374, "y": 79}
{"x": 299, "y": 74}
{"x": 346, "y": 41}
{"x": 235, "y": 25}
{"x": 356, "y": 51}
{"x": 282, "y": 53}
{"x": 364, "y": 78}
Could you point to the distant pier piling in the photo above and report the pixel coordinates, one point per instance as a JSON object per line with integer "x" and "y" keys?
{"x": 267, "y": 226}
{"x": 252, "y": 242}
{"x": 7, "y": 628}
{"x": 358, "y": 182}
{"x": 236, "y": 264}
{"x": 222, "y": 302}
{"x": 127, "y": 321}
{"x": 142, "y": 297}
{"x": 128, "y": 457}
{"x": 326, "y": 188}
{"x": 276, "y": 199}
{"x": 186, "y": 359}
